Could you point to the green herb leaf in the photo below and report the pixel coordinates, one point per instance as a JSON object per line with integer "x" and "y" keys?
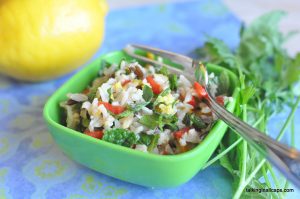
{"x": 150, "y": 121}
{"x": 159, "y": 120}
{"x": 191, "y": 119}
{"x": 224, "y": 83}
{"x": 121, "y": 137}
{"x": 173, "y": 82}
{"x": 149, "y": 140}
{"x": 153, "y": 143}
{"x": 147, "y": 93}
{"x": 164, "y": 71}
{"x": 145, "y": 139}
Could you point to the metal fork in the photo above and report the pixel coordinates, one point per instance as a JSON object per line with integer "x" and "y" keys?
{"x": 285, "y": 158}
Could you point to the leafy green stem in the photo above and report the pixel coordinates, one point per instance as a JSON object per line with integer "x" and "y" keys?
{"x": 261, "y": 163}
{"x": 244, "y": 151}
{"x": 292, "y": 144}
{"x": 220, "y": 155}
{"x": 276, "y": 182}
{"x": 288, "y": 120}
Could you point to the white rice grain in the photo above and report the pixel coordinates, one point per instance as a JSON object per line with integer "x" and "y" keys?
{"x": 126, "y": 122}
{"x": 184, "y": 82}
{"x": 141, "y": 147}
{"x": 192, "y": 136}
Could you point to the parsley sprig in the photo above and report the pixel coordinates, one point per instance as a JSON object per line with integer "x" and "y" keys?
{"x": 269, "y": 80}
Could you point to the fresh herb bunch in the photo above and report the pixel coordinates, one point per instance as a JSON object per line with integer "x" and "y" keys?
{"x": 268, "y": 80}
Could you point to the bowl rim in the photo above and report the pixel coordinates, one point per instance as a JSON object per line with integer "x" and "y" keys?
{"x": 129, "y": 151}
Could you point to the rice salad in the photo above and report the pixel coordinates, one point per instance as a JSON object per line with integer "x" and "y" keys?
{"x": 145, "y": 107}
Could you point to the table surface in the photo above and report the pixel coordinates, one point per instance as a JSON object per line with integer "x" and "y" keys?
{"x": 245, "y": 10}
{"x": 31, "y": 164}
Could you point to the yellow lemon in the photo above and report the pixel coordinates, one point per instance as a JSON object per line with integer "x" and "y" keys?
{"x": 44, "y": 39}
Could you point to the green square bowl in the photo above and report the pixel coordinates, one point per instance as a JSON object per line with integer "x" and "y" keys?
{"x": 123, "y": 163}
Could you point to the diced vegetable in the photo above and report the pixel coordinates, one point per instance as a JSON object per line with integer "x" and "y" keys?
{"x": 145, "y": 139}
{"x": 153, "y": 143}
{"x": 96, "y": 134}
{"x": 197, "y": 122}
{"x": 72, "y": 115}
{"x": 147, "y": 93}
{"x": 156, "y": 88}
{"x": 113, "y": 108}
{"x": 149, "y": 140}
{"x": 193, "y": 120}
{"x": 121, "y": 137}
{"x": 200, "y": 90}
{"x": 173, "y": 81}
{"x": 187, "y": 119}
{"x": 181, "y": 132}
{"x": 192, "y": 101}
{"x": 220, "y": 100}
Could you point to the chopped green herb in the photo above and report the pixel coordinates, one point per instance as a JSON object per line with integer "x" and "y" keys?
{"x": 145, "y": 139}
{"x": 153, "y": 143}
{"x": 191, "y": 119}
{"x": 147, "y": 93}
{"x": 121, "y": 137}
{"x": 164, "y": 71}
{"x": 158, "y": 120}
{"x": 149, "y": 140}
{"x": 224, "y": 83}
{"x": 150, "y": 121}
{"x": 173, "y": 82}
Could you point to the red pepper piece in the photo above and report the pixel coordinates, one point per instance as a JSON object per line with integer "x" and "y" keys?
{"x": 192, "y": 101}
{"x": 96, "y": 134}
{"x": 220, "y": 100}
{"x": 112, "y": 108}
{"x": 156, "y": 88}
{"x": 181, "y": 132}
{"x": 200, "y": 90}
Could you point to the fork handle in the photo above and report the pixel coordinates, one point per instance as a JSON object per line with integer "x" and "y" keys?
{"x": 285, "y": 158}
